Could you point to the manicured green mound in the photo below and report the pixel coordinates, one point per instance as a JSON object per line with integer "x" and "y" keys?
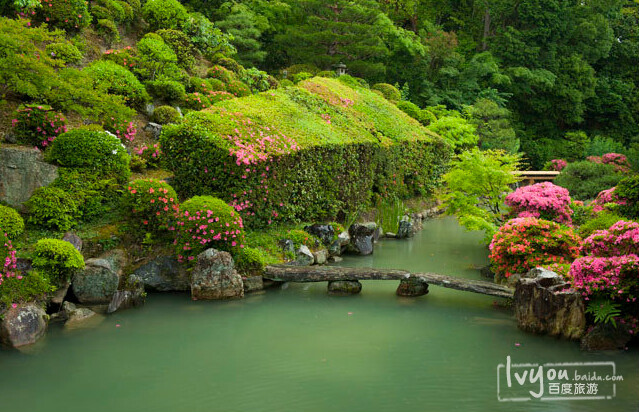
{"x": 308, "y": 152}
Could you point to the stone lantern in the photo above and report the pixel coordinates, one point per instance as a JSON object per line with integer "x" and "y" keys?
{"x": 340, "y": 69}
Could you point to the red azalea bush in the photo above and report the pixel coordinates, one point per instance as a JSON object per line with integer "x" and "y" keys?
{"x": 70, "y": 15}
{"x": 152, "y": 204}
{"x": 525, "y": 243}
{"x": 205, "y": 222}
{"x": 620, "y": 239}
{"x": 542, "y": 200}
{"x": 37, "y": 125}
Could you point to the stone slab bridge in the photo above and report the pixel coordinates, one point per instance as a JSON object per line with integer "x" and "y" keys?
{"x": 344, "y": 280}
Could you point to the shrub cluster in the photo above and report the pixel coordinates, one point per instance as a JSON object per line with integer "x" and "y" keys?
{"x": 556, "y": 165}
{"x": 619, "y": 161}
{"x": 70, "y": 15}
{"x": 525, "y": 243}
{"x": 606, "y": 197}
{"x": 389, "y": 92}
{"x": 586, "y": 179}
{"x": 165, "y": 115}
{"x": 164, "y": 14}
{"x": 205, "y": 222}
{"x": 622, "y": 238}
{"x": 53, "y": 208}
{"x": 542, "y": 200}
{"x": 37, "y": 125}
{"x": 628, "y": 190}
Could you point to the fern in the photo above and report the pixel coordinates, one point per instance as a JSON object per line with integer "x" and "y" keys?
{"x": 604, "y": 311}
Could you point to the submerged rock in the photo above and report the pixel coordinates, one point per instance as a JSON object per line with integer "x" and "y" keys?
{"x": 344, "y": 287}
{"x": 79, "y": 318}
{"x": 163, "y": 274}
{"x": 361, "y": 235}
{"x": 99, "y": 280}
{"x": 412, "y": 287}
{"x": 214, "y": 277}
{"x": 23, "y": 325}
{"x": 544, "y": 304}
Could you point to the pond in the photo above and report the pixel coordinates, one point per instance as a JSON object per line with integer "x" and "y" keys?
{"x": 297, "y": 349}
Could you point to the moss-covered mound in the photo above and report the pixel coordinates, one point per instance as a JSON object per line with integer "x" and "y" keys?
{"x": 314, "y": 151}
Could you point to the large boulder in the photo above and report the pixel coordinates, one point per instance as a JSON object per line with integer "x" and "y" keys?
{"x": 163, "y": 274}
{"x": 325, "y": 233}
{"x": 22, "y": 171}
{"x": 606, "y": 336}
{"x": 99, "y": 280}
{"x": 303, "y": 257}
{"x": 23, "y": 325}
{"x": 361, "y": 235}
{"x": 320, "y": 256}
{"x": 74, "y": 239}
{"x": 214, "y": 277}
{"x": 133, "y": 296}
{"x": 405, "y": 228}
{"x": 154, "y": 129}
{"x": 545, "y": 304}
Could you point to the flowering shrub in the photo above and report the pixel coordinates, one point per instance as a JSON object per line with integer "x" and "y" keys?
{"x": 220, "y": 73}
{"x": 541, "y": 200}
{"x": 611, "y": 277}
{"x": 152, "y": 205}
{"x": 605, "y": 197}
{"x": 123, "y": 129}
{"x": 196, "y": 101}
{"x": 525, "y": 243}
{"x": 58, "y": 259}
{"x": 618, "y": 160}
{"x": 622, "y": 238}
{"x": 8, "y": 259}
{"x": 126, "y": 57}
{"x": 556, "y": 164}
{"x": 272, "y": 157}
{"x": 237, "y": 88}
{"x": 219, "y": 96}
{"x": 11, "y": 222}
{"x": 37, "y": 125}
{"x": 70, "y": 15}
{"x": 205, "y": 222}
{"x": 150, "y": 154}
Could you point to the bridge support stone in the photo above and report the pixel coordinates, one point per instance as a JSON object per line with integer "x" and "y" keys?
{"x": 344, "y": 287}
{"x": 412, "y": 287}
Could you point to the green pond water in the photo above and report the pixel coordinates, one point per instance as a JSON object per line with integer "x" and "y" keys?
{"x": 297, "y": 349}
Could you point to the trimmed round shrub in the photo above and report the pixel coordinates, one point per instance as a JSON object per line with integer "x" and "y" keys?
{"x": 602, "y": 221}
{"x": 215, "y": 97}
{"x": 52, "y": 208}
{"x": 196, "y": 101}
{"x": 166, "y": 115}
{"x": 167, "y": 90}
{"x": 216, "y": 85}
{"x": 525, "y": 243}
{"x": 229, "y": 64}
{"x": 221, "y": 73}
{"x": 622, "y": 238}
{"x": 237, "y": 88}
{"x": 542, "y": 200}
{"x": 37, "y": 125}
{"x": 65, "y": 52}
{"x": 584, "y": 180}
{"x": 112, "y": 78}
{"x": 389, "y": 91}
{"x": 164, "y": 14}
{"x": 92, "y": 194}
{"x": 70, "y": 15}
{"x": 108, "y": 29}
{"x": 250, "y": 261}
{"x": 207, "y": 222}
{"x": 301, "y": 76}
{"x": 199, "y": 85}
{"x": 301, "y": 237}
{"x": 286, "y": 83}
{"x": 95, "y": 151}
{"x": 152, "y": 206}
{"x": 11, "y": 222}
{"x": 59, "y": 260}
{"x": 628, "y": 191}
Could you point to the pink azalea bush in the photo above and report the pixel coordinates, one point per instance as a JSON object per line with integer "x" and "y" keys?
{"x": 7, "y": 258}
{"x": 618, "y": 160}
{"x": 37, "y": 125}
{"x": 604, "y": 197}
{"x": 542, "y": 200}
{"x": 205, "y": 222}
{"x": 613, "y": 277}
{"x": 620, "y": 239}
{"x": 527, "y": 242}
{"x": 557, "y": 165}
{"x": 151, "y": 154}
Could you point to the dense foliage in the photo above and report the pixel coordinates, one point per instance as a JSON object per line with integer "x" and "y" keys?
{"x": 11, "y": 222}
{"x": 152, "y": 205}
{"x": 57, "y": 259}
{"x": 586, "y": 179}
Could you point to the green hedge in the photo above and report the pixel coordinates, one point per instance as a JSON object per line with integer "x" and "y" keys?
{"x": 11, "y": 222}
{"x": 57, "y": 259}
{"x": 320, "y": 150}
